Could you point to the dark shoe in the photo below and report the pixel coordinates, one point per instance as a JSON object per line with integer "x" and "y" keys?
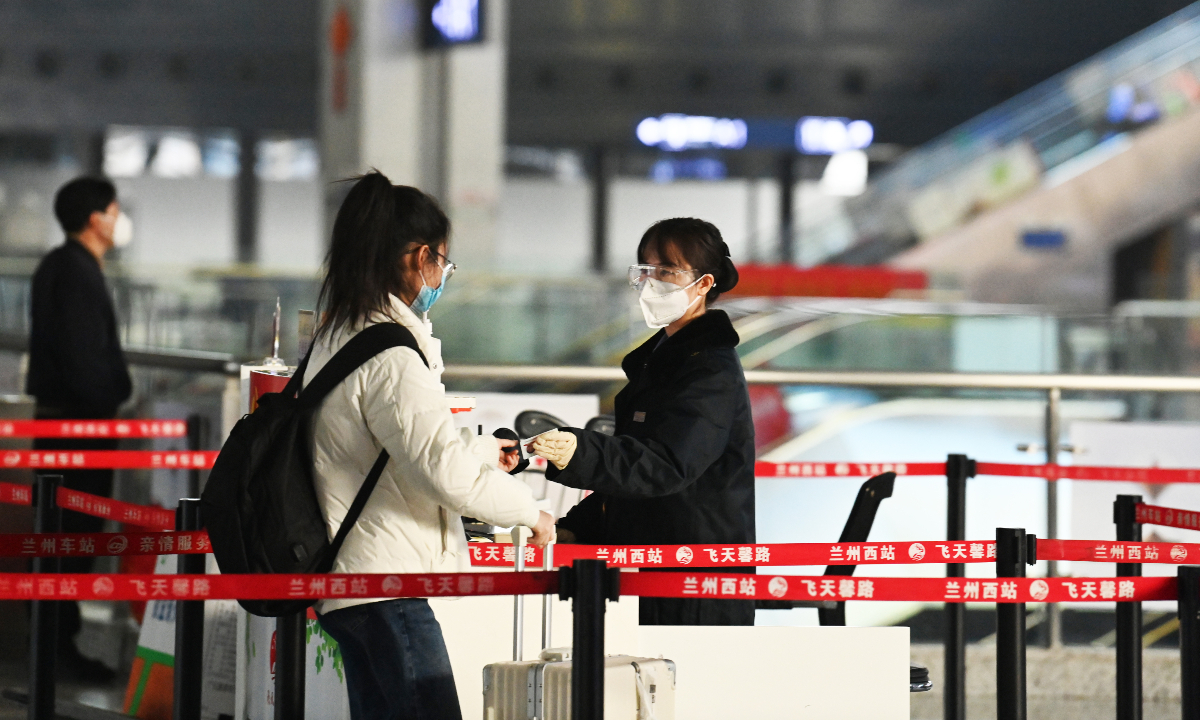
{"x": 72, "y": 666}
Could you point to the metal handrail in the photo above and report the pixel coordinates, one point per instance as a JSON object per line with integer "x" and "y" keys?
{"x": 990, "y": 381}
{"x": 227, "y": 364}
{"x": 164, "y": 358}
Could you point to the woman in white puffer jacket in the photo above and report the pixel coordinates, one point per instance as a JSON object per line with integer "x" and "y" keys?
{"x": 387, "y": 263}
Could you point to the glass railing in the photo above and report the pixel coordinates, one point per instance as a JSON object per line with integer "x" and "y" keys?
{"x": 1051, "y": 132}
{"x": 595, "y": 321}
{"x": 481, "y": 318}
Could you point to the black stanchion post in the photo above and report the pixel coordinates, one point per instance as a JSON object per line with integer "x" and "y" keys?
{"x": 189, "y": 625}
{"x": 43, "y": 618}
{"x": 1011, "y": 556}
{"x": 1189, "y": 640}
{"x": 588, "y": 583}
{"x": 958, "y": 469}
{"x": 1129, "y": 616}
{"x": 196, "y": 439}
{"x": 289, "y": 666}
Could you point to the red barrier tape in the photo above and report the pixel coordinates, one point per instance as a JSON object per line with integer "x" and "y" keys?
{"x": 14, "y": 494}
{"x": 783, "y": 587}
{"x": 140, "y": 515}
{"x": 108, "y": 459}
{"x": 88, "y": 504}
{"x": 788, "y": 554}
{"x": 15, "y": 586}
{"x": 1169, "y": 517}
{"x": 104, "y": 544}
{"x": 18, "y": 586}
{"x": 1083, "y": 472}
{"x": 1057, "y": 472}
{"x": 1122, "y": 552}
{"x": 681, "y": 556}
{"x": 93, "y": 428}
{"x": 844, "y": 469}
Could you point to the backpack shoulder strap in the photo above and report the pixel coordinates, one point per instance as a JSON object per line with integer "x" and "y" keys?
{"x": 361, "y": 348}
{"x": 356, "y": 507}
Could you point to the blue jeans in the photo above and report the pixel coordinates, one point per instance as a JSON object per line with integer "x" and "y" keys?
{"x": 397, "y": 667}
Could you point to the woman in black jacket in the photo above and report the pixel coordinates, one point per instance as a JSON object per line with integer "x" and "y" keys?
{"x": 680, "y": 469}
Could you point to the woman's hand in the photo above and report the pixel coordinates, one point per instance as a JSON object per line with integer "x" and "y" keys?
{"x": 557, "y": 446}
{"x": 543, "y": 532}
{"x": 509, "y": 457}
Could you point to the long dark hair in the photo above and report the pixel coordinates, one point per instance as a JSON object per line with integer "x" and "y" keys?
{"x": 697, "y": 242}
{"x": 377, "y": 224}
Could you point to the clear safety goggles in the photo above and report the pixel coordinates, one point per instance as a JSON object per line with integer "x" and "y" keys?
{"x": 639, "y": 274}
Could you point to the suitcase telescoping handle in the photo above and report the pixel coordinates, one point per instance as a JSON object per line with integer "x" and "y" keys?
{"x": 547, "y": 600}
{"x": 518, "y": 538}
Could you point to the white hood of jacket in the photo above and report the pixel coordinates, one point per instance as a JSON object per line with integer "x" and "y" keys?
{"x": 437, "y": 473}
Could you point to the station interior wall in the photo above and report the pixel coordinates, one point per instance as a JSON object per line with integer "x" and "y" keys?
{"x": 545, "y": 225}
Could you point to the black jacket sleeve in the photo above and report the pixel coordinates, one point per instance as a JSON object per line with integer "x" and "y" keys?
{"x": 586, "y": 520}
{"x": 91, "y": 363}
{"x": 683, "y": 438}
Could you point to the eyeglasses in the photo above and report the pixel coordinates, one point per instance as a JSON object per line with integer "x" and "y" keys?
{"x": 447, "y": 269}
{"x": 638, "y": 274}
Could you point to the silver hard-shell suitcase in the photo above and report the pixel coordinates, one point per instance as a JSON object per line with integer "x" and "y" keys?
{"x": 634, "y": 688}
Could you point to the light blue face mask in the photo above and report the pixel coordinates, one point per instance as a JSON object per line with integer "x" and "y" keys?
{"x": 428, "y": 296}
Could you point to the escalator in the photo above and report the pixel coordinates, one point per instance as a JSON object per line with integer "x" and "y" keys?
{"x": 1030, "y": 202}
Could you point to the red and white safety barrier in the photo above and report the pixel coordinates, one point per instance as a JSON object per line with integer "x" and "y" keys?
{"x": 18, "y": 586}
{"x": 1001, "y": 590}
{"x": 144, "y": 516}
{"x": 1084, "y": 472}
{"x": 844, "y": 469}
{"x": 1168, "y": 517}
{"x": 1120, "y": 552}
{"x": 648, "y": 557}
{"x": 93, "y": 428}
{"x": 109, "y": 459}
{"x": 14, "y": 494}
{"x": 815, "y": 470}
{"x": 15, "y": 586}
{"x": 652, "y": 557}
{"x": 104, "y": 544}
{"x": 153, "y": 518}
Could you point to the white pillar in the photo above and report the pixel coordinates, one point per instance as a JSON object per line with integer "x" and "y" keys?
{"x": 429, "y": 118}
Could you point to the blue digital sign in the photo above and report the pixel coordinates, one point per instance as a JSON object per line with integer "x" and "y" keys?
{"x": 808, "y": 135}
{"x": 452, "y": 22}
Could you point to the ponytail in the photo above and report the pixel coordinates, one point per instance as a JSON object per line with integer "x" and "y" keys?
{"x": 376, "y": 225}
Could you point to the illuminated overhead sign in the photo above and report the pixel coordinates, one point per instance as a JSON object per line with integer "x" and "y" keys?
{"x": 809, "y": 135}
{"x": 451, "y": 22}
{"x": 685, "y": 132}
{"x": 829, "y": 135}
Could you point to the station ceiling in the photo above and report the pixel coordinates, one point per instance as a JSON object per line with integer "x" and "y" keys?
{"x": 585, "y": 71}
{"x": 581, "y": 72}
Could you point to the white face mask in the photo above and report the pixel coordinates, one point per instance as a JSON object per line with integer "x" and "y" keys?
{"x": 122, "y": 231}
{"x": 663, "y": 303}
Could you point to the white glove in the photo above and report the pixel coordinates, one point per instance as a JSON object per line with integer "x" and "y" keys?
{"x": 556, "y": 446}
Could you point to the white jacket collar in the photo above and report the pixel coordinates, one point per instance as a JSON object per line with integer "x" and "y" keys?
{"x": 398, "y": 311}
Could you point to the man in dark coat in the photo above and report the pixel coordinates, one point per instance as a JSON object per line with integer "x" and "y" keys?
{"x": 680, "y": 469}
{"x": 76, "y": 367}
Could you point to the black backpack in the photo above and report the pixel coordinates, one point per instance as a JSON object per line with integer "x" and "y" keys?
{"x": 260, "y": 506}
